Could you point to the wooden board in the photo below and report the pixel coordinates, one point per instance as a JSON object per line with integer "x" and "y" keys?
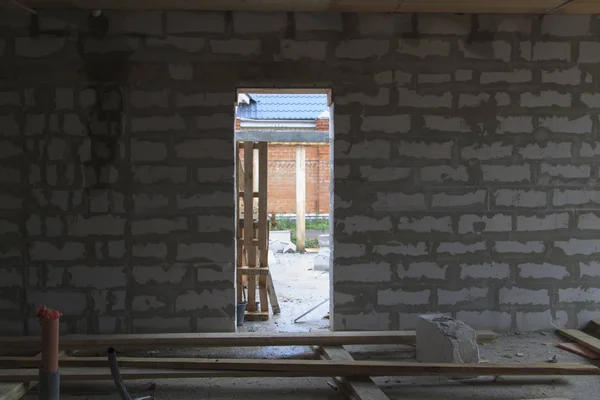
{"x": 593, "y": 327}
{"x": 240, "y": 247}
{"x": 583, "y": 339}
{"x": 13, "y": 391}
{"x": 391, "y": 6}
{"x": 189, "y": 340}
{"x": 252, "y": 271}
{"x": 103, "y": 374}
{"x": 257, "y": 315}
{"x": 272, "y": 295}
{"x": 263, "y": 230}
{"x": 249, "y": 248}
{"x": 579, "y": 350}
{"x": 354, "y": 388}
{"x": 320, "y": 368}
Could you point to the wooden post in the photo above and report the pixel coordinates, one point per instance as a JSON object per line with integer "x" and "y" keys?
{"x": 249, "y": 221}
{"x": 239, "y": 229}
{"x": 263, "y": 228}
{"x": 300, "y": 198}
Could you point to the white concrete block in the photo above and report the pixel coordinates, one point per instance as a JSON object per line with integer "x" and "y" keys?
{"x": 485, "y": 271}
{"x": 396, "y": 297}
{"x": 511, "y": 246}
{"x": 522, "y": 296}
{"x": 357, "y": 49}
{"x": 542, "y": 271}
{"x": 422, "y": 270}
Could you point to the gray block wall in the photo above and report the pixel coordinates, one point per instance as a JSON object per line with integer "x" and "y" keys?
{"x": 466, "y": 165}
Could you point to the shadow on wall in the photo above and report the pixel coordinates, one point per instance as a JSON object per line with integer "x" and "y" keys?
{"x": 104, "y": 122}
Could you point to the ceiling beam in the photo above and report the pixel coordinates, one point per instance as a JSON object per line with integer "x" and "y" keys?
{"x": 22, "y": 6}
{"x": 399, "y": 6}
{"x": 561, "y": 6}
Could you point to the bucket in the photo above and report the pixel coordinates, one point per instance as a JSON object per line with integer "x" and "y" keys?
{"x": 241, "y": 311}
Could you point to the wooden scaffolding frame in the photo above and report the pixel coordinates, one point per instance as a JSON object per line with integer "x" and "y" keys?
{"x": 253, "y": 244}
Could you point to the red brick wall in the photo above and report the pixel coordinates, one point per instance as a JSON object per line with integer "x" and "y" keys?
{"x": 282, "y": 179}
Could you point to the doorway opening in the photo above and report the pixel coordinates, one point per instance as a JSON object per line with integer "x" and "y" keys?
{"x": 284, "y": 209}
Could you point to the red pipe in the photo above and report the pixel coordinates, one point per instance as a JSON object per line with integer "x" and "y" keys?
{"x": 49, "y": 320}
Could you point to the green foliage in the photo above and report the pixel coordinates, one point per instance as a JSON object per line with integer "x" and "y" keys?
{"x": 311, "y": 243}
{"x": 289, "y": 224}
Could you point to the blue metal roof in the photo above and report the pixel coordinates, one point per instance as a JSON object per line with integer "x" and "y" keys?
{"x": 283, "y": 106}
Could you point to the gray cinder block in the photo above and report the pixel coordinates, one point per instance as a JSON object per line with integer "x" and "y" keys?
{"x": 444, "y": 339}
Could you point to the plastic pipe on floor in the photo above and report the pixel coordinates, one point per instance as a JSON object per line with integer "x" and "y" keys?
{"x": 49, "y": 373}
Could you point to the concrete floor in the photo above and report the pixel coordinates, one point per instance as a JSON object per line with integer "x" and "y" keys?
{"x": 300, "y": 288}
{"x": 535, "y": 348}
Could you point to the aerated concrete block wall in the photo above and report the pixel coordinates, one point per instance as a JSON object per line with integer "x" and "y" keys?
{"x": 466, "y": 161}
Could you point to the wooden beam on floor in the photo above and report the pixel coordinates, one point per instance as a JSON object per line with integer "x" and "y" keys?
{"x": 103, "y": 374}
{"x": 256, "y": 315}
{"x": 317, "y": 368}
{"x": 189, "y": 340}
{"x": 593, "y": 326}
{"x": 359, "y": 389}
{"x": 14, "y": 391}
{"x": 253, "y": 271}
{"x": 582, "y": 338}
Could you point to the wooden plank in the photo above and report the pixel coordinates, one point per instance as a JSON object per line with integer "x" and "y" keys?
{"x": 593, "y": 326}
{"x": 14, "y": 391}
{"x": 300, "y": 199}
{"x": 579, "y": 350}
{"x": 560, "y": 7}
{"x": 103, "y": 374}
{"x": 263, "y": 243}
{"x": 242, "y": 194}
{"x": 583, "y": 339}
{"x": 253, "y": 271}
{"x": 263, "y": 190}
{"x": 319, "y": 368}
{"x": 190, "y": 340}
{"x": 390, "y": 6}
{"x": 256, "y": 315}
{"x": 240, "y": 247}
{"x": 272, "y": 295}
{"x": 250, "y": 249}
{"x": 359, "y": 389}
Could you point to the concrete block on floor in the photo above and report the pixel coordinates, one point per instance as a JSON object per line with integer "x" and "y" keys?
{"x": 322, "y": 262}
{"x": 445, "y": 340}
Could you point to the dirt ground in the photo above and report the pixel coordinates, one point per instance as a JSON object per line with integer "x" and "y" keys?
{"x": 299, "y": 288}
